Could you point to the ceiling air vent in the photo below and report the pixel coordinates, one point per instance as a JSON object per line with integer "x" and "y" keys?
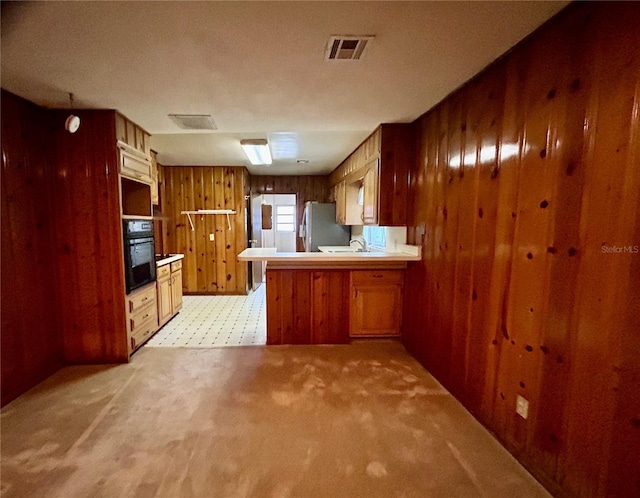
{"x": 194, "y": 121}
{"x": 347, "y": 48}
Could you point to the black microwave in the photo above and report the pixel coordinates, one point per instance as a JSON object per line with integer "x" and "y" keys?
{"x": 139, "y": 253}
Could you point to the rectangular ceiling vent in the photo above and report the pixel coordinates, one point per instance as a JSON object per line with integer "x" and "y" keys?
{"x": 347, "y": 48}
{"x": 194, "y": 121}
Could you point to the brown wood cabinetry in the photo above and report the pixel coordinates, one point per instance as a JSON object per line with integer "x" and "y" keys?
{"x": 176, "y": 286}
{"x": 380, "y": 164}
{"x": 169, "y": 289}
{"x": 142, "y": 316}
{"x": 326, "y": 306}
{"x": 307, "y": 306}
{"x": 340, "y": 195}
{"x": 163, "y": 285}
{"x": 376, "y": 302}
{"x": 134, "y": 164}
{"x": 371, "y": 189}
{"x": 129, "y": 133}
{"x": 155, "y": 197}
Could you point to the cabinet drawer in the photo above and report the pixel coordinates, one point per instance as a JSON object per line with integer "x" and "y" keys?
{"x": 147, "y": 319}
{"x": 163, "y": 272}
{"x": 373, "y": 277}
{"x": 135, "y": 167}
{"x": 140, "y": 299}
{"x": 176, "y": 265}
{"x": 142, "y": 333}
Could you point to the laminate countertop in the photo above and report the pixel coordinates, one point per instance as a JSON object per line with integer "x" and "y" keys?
{"x": 373, "y": 259}
{"x": 165, "y": 259}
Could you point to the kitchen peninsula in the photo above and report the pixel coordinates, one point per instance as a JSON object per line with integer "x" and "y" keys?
{"x": 329, "y": 298}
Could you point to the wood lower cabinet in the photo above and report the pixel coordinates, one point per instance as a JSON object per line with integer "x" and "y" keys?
{"x": 176, "y": 286}
{"x": 169, "y": 289}
{"x": 376, "y": 303}
{"x": 307, "y": 306}
{"x": 163, "y": 285}
{"x": 327, "y": 306}
{"x": 142, "y": 316}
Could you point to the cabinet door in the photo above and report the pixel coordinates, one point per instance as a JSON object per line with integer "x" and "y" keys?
{"x": 135, "y": 167}
{"x": 176, "y": 290}
{"x": 165, "y": 311}
{"x": 370, "y": 184}
{"x": 376, "y": 303}
{"x": 155, "y": 198}
{"x": 341, "y": 203}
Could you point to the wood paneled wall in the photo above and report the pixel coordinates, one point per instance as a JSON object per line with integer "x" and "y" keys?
{"x": 88, "y": 243}
{"x": 31, "y": 335}
{"x": 306, "y": 188}
{"x": 209, "y": 267}
{"x": 62, "y": 263}
{"x": 525, "y": 196}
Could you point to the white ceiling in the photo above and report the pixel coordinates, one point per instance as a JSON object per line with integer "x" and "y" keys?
{"x": 257, "y": 67}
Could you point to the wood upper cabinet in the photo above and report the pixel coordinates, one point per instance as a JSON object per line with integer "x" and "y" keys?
{"x": 382, "y": 164}
{"x": 340, "y": 194}
{"x": 134, "y": 165}
{"x": 155, "y": 197}
{"x": 370, "y": 185}
{"x": 134, "y": 146}
{"x": 376, "y": 302}
{"x": 134, "y": 136}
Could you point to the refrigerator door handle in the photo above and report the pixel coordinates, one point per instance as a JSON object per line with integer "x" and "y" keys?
{"x": 303, "y": 228}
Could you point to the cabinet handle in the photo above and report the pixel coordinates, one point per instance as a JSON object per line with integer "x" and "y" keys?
{"x": 145, "y": 316}
{"x": 145, "y": 299}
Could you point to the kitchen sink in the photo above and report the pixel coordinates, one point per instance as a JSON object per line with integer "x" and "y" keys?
{"x": 335, "y": 249}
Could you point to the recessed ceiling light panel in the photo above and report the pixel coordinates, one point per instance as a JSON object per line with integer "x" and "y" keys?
{"x": 257, "y": 150}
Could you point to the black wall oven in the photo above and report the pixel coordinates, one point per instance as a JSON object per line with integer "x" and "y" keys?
{"x": 139, "y": 253}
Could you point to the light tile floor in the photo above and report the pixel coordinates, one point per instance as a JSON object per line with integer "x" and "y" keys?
{"x": 215, "y": 321}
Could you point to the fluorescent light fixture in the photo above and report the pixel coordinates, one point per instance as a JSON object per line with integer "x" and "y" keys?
{"x": 257, "y": 150}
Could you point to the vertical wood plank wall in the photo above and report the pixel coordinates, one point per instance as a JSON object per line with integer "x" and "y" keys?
{"x": 306, "y": 188}
{"x": 62, "y": 264}
{"x": 31, "y": 336}
{"x": 88, "y": 244}
{"x": 523, "y": 181}
{"x": 209, "y": 267}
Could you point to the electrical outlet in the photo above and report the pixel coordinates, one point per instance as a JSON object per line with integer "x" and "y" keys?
{"x": 522, "y": 407}
{"x": 212, "y": 237}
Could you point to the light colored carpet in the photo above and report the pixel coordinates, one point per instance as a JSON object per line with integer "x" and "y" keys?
{"x": 361, "y": 420}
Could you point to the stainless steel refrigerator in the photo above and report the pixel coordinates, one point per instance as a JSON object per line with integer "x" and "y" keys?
{"x": 319, "y": 228}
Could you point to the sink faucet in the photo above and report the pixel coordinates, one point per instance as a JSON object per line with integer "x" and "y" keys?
{"x": 361, "y": 241}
